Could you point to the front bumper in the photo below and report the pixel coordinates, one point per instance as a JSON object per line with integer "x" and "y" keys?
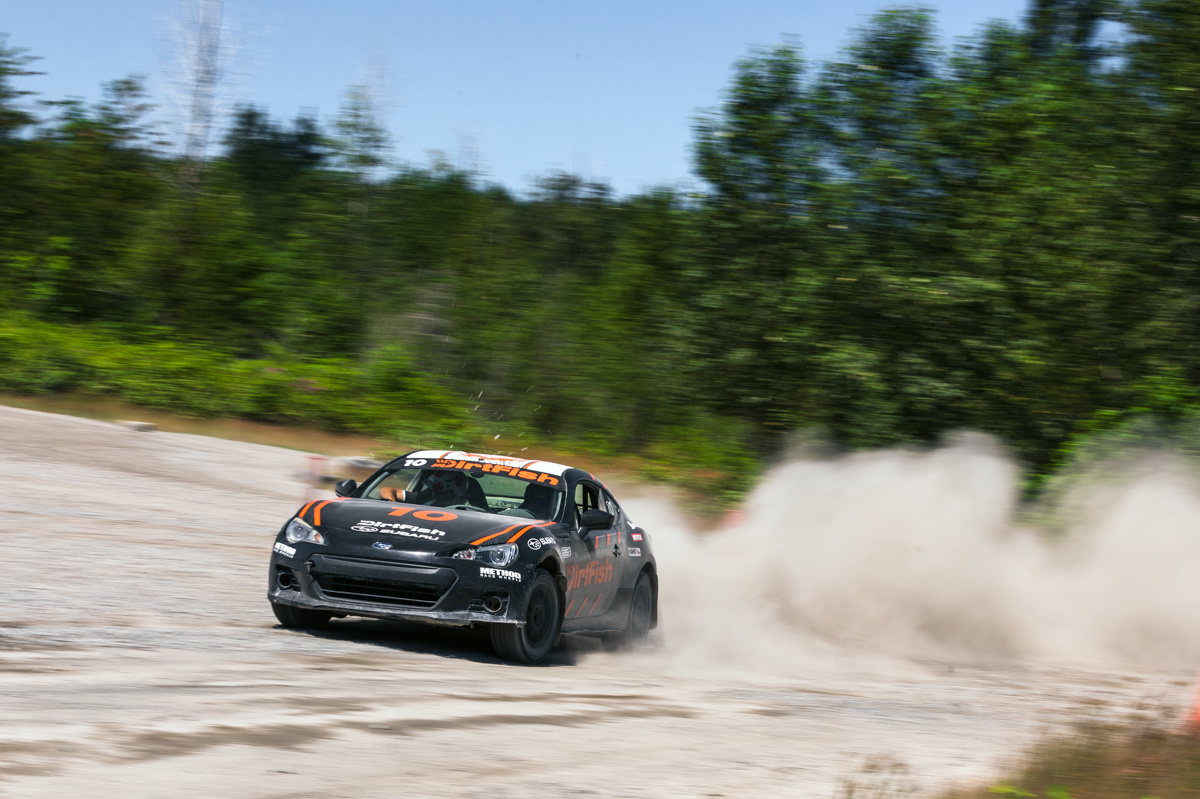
{"x": 418, "y": 588}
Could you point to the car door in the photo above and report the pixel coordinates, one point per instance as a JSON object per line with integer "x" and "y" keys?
{"x": 593, "y": 573}
{"x": 628, "y": 549}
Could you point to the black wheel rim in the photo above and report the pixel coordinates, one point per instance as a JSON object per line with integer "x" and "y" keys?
{"x": 539, "y": 621}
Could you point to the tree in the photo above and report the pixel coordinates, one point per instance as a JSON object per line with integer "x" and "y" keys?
{"x": 1164, "y": 118}
{"x": 124, "y": 113}
{"x": 763, "y": 156}
{"x": 271, "y": 162}
{"x": 16, "y": 176}
{"x": 362, "y": 143}
{"x": 203, "y": 53}
{"x": 13, "y": 61}
{"x": 1055, "y": 25}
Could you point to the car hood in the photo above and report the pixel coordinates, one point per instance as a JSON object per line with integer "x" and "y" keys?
{"x": 420, "y": 526}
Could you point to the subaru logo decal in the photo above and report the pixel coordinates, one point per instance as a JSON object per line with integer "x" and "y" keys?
{"x": 381, "y": 545}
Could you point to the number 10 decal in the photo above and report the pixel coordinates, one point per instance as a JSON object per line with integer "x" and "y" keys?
{"x": 426, "y": 515}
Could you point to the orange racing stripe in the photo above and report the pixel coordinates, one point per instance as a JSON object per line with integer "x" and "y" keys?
{"x": 304, "y": 510}
{"x": 568, "y": 610}
{"x": 596, "y": 604}
{"x": 519, "y": 533}
{"x": 527, "y": 529}
{"x": 479, "y": 541}
{"x": 317, "y": 513}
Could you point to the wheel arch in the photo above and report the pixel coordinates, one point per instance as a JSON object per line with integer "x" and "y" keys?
{"x": 554, "y": 567}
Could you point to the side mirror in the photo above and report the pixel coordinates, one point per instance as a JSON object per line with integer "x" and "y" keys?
{"x": 595, "y": 518}
{"x": 345, "y": 488}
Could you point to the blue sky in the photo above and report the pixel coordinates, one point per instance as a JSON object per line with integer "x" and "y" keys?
{"x": 513, "y": 88}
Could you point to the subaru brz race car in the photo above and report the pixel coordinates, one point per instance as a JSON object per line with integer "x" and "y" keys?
{"x": 532, "y": 550}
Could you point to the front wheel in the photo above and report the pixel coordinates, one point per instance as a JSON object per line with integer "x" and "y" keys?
{"x": 300, "y": 618}
{"x": 543, "y": 620}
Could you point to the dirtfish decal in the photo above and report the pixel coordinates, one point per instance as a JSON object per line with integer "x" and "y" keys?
{"x": 594, "y": 573}
{"x": 497, "y": 468}
{"x": 395, "y": 528}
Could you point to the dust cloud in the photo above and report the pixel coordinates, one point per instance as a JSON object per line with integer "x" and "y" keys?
{"x": 921, "y": 554}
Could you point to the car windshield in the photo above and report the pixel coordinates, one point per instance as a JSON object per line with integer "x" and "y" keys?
{"x": 470, "y": 489}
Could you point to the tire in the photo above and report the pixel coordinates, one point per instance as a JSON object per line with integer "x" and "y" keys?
{"x": 641, "y": 609}
{"x": 300, "y": 618}
{"x": 637, "y": 628}
{"x": 531, "y": 642}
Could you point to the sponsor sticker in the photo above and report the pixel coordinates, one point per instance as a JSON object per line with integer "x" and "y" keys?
{"x": 496, "y": 460}
{"x": 513, "y": 467}
{"x": 636, "y": 536}
{"x": 501, "y": 574}
{"x": 284, "y": 549}
{"x": 396, "y": 528}
{"x": 596, "y": 572}
{"x": 566, "y": 552}
{"x": 635, "y": 552}
{"x": 537, "y": 543}
{"x": 382, "y": 545}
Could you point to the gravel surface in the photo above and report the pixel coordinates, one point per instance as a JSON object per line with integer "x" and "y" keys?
{"x": 139, "y": 658}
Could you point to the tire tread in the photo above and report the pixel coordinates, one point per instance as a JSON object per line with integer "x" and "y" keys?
{"x": 295, "y": 618}
{"x": 508, "y": 640}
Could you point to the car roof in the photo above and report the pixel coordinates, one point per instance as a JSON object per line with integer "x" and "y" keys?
{"x": 547, "y": 467}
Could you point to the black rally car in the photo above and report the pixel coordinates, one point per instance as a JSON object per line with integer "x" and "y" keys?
{"x": 531, "y": 549}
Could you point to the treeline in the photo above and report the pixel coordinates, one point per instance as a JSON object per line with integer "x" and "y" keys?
{"x": 1004, "y": 236}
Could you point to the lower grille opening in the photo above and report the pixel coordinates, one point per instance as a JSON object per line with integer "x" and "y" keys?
{"x": 365, "y": 589}
{"x": 493, "y": 603}
{"x": 285, "y": 578}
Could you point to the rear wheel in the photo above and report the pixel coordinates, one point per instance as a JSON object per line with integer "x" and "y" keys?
{"x": 543, "y": 620}
{"x": 641, "y": 608}
{"x": 300, "y": 618}
{"x": 637, "y": 628}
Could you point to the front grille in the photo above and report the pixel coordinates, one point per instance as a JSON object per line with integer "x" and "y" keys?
{"x": 365, "y": 589}
{"x": 390, "y": 562}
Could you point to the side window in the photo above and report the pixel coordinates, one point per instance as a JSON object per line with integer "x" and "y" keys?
{"x": 587, "y": 497}
{"x": 612, "y": 507}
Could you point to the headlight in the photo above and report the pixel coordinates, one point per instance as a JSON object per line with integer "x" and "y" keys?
{"x": 300, "y": 530}
{"x": 500, "y": 555}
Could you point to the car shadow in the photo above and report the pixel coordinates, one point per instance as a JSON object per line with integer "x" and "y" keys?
{"x": 459, "y": 643}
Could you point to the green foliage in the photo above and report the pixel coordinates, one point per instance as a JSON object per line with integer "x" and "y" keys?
{"x": 384, "y": 397}
{"x": 1004, "y": 236}
{"x": 968, "y": 240}
{"x": 1130, "y": 760}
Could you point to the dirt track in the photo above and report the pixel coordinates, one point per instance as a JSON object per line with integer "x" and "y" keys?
{"x": 139, "y": 658}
